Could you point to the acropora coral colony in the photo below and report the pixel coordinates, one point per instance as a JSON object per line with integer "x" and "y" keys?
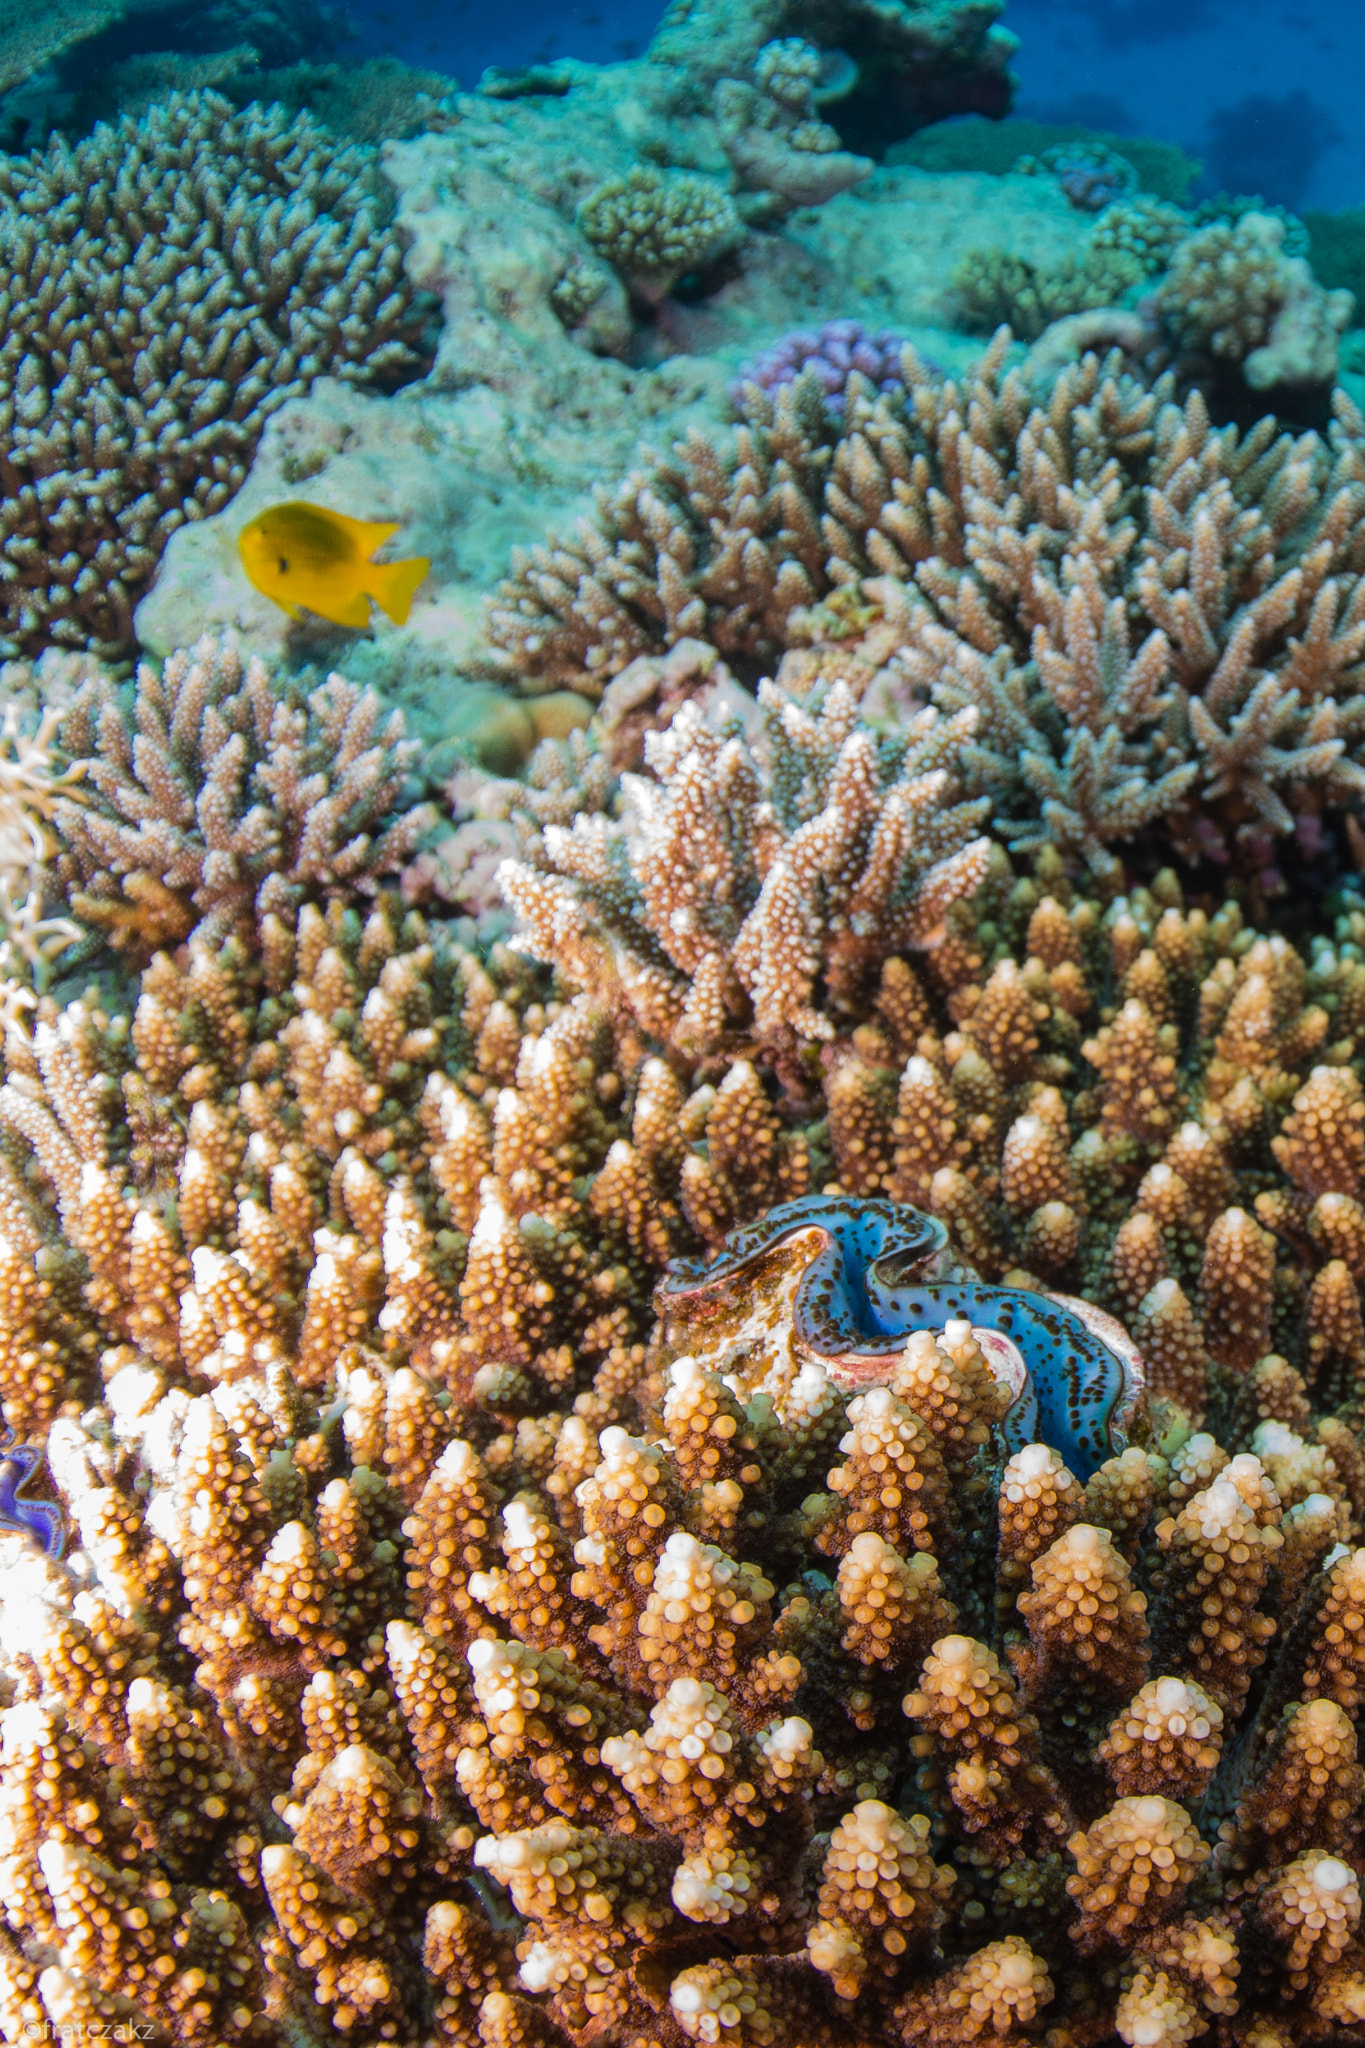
{"x": 458, "y": 1605}
{"x": 764, "y": 1443}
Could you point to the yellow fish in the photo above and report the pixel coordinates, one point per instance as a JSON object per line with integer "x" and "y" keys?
{"x": 300, "y": 554}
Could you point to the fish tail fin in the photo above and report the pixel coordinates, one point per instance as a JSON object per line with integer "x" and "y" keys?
{"x": 394, "y": 584}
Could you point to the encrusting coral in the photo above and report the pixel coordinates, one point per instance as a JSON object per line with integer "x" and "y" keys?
{"x": 446, "y": 1648}
{"x": 1159, "y": 624}
{"x": 167, "y": 283}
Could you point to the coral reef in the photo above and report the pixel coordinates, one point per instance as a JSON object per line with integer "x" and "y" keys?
{"x": 1157, "y": 624}
{"x": 31, "y": 788}
{"x": 772, "y": 133}
{"x": 997, "y": 147}
{"x": 1132, "y": 241}
{"x": 992, "y": 287}
{"x": 728, "y": 892}
{"x": 548, "y": 375}
{"x": 445, "y": 1644}
{"x": 376, "y": 100}
{"x": 332, "y": 1671}
{"x": 323, "y": 1143}
{"x": 1238, "y": 312}
{"x": 914, "y": 62}
{"x": 760, "y": 1436}
{"x": 1336, "y": 250}
{"x": 29, "y": 40}
{"x": 831, "y": 354}
{"x": 211, "y": 800}
{"x": 1092, "y": 175}
{"x": 651, "y": 227}
{"x": 1148, "y": 229}
{"x": 1234, "y": 294}
{"x": 46, "y": 47}
{"x": 134, "y": 384}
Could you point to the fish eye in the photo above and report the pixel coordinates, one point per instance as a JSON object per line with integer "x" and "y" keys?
{"x": 284, "y": 566}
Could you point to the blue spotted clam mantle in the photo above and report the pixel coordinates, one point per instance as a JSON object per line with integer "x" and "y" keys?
{"x": 877, "y": 1271}
{"x": 39, "y": 1519}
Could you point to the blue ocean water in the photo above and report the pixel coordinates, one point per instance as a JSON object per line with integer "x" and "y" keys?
{"x": 1265, "y": 92}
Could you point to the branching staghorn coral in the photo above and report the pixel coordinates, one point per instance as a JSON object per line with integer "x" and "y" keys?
{"x": 731, "y": 900}
{"x": 1160, "y": 624}
{"x": 167, "y": 284}
{"x": 1193, "y": 1163}
{"x": 211, "y": 799}
{"x": 716, "y": 544}
{"x": 352, "y": 1140}
{"x": 31, "y": 787}
{"x": 444, "y": 1646}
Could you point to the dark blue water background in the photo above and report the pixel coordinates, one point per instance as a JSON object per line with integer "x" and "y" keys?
{"x": 1266, "y": 92}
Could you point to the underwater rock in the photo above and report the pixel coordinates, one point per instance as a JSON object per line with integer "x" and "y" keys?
{"x": 774, "y": 137}
{"x": 917, "y": 60}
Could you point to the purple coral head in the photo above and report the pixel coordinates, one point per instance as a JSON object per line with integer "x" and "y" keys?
{"x": 833, "y": 353}
{"x": 1091, "y": 176}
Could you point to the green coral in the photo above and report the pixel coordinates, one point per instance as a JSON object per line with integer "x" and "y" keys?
{"x": 1228, "y": 208}
{"x": 652, "y": 226}
{"x": 992, "y": 286}
{"x": 1336, "y": 250}
{"x": 1146, "y": 229}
